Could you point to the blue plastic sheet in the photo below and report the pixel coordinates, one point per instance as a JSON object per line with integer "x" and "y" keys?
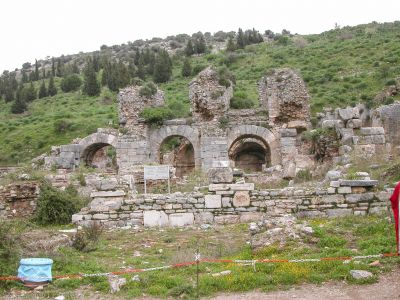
{"x": 35, "y": 269}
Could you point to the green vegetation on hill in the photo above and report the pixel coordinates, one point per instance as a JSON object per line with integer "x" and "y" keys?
{"x": 341, "y": 67}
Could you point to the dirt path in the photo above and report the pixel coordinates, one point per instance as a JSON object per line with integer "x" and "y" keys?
{"x": 388, "y": 287}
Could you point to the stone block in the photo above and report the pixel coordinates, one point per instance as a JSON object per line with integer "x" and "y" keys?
{"x": 247, "y": 217}
{"x": 347, "y": 113}
{"x": 331, "y": 190}
{"x": 333, "y": 175}
{"x": 204, "y": 218}
{"x": 181, "y": 219}
{"x": 218, "y": 187}
{"x": 226, "y": 219}
{"x": 354, "y": 123}
{"x": 154, "y": 218}
{"x": 339, "y": 212}
{"x": 332, "y": 124}
{"x": 334, "y": 184}
{"x": 372, "y": 131}
{"x": 108, "y": 184}
{"x": 212, "y": 201}
{"x": 358, "y": 182}
{"x": 241, "y": 186}
{"x": 344, "y": 190}
{"x": 100, "y": 216}
{"x": 226, "y": 202}
{"x": 354, "y": 198}
{"x": 77, "y": 218}
{"x": 378, "y": 210}
{"x": 335, "y": 198}
{"x": 220, "y": 175}
{"x": 358, "y": 189}
{"x": 104, "y": 194}
{"x": 220, "y": 164}
{"x": 241, "y": 199}
{"x": 286, "y": 132}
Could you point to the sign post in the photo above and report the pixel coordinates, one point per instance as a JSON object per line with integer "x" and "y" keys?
{"x": 156, "y": 173}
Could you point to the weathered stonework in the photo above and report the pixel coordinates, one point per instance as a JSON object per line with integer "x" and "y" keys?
{"x": 233, "y": 203}
{"x": 18, "y": 200}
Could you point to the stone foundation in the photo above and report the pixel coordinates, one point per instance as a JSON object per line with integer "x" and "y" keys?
{"x": 233, "y": 203}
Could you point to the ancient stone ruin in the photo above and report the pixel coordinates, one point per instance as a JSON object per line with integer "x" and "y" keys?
{"x": 265, "y": 143}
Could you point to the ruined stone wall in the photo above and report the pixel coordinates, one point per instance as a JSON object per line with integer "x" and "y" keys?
{"x": 232, "y": 203}
{"x": 18, "y": 200}
{"x": 284, "y": 94}
{"x": 388, "y": 117}
{"x": 131, "y": 104}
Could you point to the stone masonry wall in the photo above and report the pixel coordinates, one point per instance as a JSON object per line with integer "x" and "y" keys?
{"x": 18, "y": 200}
{"x": 233, "y": 203}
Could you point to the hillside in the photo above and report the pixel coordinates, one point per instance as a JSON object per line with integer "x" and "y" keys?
{"x": 341, "y": 67}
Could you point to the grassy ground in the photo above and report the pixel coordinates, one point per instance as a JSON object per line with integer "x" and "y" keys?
{"x": 341, "y": 67}
{"x": 120, "y": 249}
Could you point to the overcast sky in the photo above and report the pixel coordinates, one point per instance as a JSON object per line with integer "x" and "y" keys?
{"x": 38, "y": 28}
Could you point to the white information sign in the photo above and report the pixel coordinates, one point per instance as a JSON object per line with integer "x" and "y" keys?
{"x": 156, "y": 173}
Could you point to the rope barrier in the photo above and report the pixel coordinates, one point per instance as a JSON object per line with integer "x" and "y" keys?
{"x": 207, "y": 260}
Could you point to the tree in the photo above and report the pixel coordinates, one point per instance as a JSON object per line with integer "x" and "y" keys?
{"x": 200, "y": 44}
{"x": 42, "y": 90}
{"x": 141, "y": 71}
{"x": 36, "y": 70}
{"x": 19, "y": 106}
{"x": 240, "y": 39}
{"x": 186, "y": 68}
{"x": 29, "y": 93}
{"x": 52, "y": 90}
{"x": 189, "y": 49}
{"x": 71, "y": 83}
{"x": 230, "y": 45}
{"x": 162, "y": 67}
{"x": 53, "y": 67}
{"x": 60, "y": 68}
{"x": 90, "y": 87}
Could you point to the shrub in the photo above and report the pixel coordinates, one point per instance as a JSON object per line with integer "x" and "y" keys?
{"x": 71, "y": 83}
{"x": 240, "y": 103}
{"x": 57, "y": 207}
{"x": 86, "y": 240}
{"x": 62, "y": 126}
{"x": 156, "y": 115}
{"x": 226, "y": 77}
{"x": 148, "y": 90}
{"x": 197, "y": 69}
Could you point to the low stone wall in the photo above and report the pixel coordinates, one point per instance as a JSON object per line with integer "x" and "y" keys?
{"x": 18, "y": 200}
{"x": 233, "y": 203}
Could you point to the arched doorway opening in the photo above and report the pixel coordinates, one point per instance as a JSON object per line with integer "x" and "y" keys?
{"x": 178, "y": 152}
{"x": 250, "y": 153}
{"x": 100, "y": 156}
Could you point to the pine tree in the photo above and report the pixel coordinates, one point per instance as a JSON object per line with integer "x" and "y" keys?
{"x": 42, "y": 90}
{"x": 29, "y": 93}
{"x": 141, "y": 71}
{"x": 162, "y": 67}
{"x": 53, "y": 67}
{"x": 43, "y": 73}
{"x": 36, "y": 70}
{"x": 19, "y": 106}
{"x": 90, "y": 87}
{"x": 186, "y": 68}
{"x": 230, "y": 45}
{"x": 240, "y": 40}
{"x": 189, "y": 49}
{"x": 200, "y": 44}
{"x": 52, "y": 90}
{"x": 60, "y": 68}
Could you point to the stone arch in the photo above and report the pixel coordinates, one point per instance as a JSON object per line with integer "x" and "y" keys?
{"x": 159, "y": 135}
{"x": 93, "y": 143}
{"x": 262, "y": 134}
